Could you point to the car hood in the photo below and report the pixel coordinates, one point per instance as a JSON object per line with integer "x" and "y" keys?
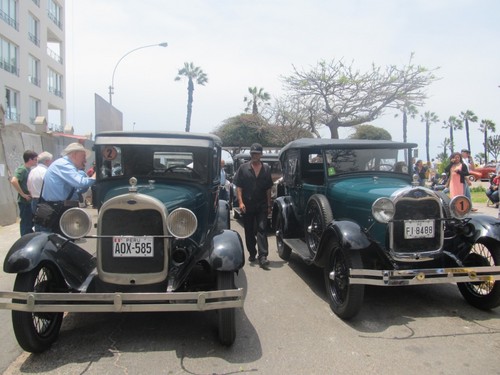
{"x": 353, "y": 196}
{"x": 173, "y": 196}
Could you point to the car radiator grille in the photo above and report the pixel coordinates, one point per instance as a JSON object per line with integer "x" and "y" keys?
{"x": 118, "y": 222}
{"x": 416, "y": 209}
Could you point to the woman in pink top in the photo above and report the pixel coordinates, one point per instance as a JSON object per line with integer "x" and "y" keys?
{"x": 457, "y": 172}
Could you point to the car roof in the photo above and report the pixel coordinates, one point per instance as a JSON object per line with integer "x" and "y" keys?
{"x": 265, "y": 156}
{"x": 158, "y": 138}
{"x": 326, "y": 143}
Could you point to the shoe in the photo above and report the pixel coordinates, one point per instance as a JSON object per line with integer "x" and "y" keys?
{"x": 263, "y": 262}
{"x": 251, "y": 258}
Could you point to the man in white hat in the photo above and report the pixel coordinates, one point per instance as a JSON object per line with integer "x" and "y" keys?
{"x": 66, "y": 176}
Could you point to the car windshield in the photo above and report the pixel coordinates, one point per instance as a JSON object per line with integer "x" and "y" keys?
{"x": 153, "y": 161}
{"x": 356, "y": 160}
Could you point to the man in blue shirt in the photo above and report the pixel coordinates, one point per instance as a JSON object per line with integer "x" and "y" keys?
{"x": 66, "y": 176}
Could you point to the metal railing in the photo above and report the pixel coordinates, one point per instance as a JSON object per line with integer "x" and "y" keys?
{"x": 34, "y": 39}
{"x": 9, "y": 20}
{"x": 54, "y": 55}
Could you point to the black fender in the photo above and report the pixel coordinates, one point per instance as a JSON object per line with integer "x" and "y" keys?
{"x": 73, "y": 262}
{"x": 291, "y": 228}
{"x": 227, "y": 251}
{"x": 347, "y": 234}
{"x": 223, "y": 216}
{"x": 484, "y": 226}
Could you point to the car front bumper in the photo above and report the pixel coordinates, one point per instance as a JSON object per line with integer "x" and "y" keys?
{"x": 122, "y": 302}
{"x": 424, "y": 276}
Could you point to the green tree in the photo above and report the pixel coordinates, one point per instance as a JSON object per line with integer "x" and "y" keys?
{"x": 367, "y": 131}
{"x": 257, "y": 98}
{"x": 407, "y": 109}
{"x": 494, "y": 147}
{"x": 348, "y": 97}
{"x": 428, "y": 118}
{"x": 193, "y": 74}
{"x": 243, "y": 130}
{"x": 453, "y": 123}
{"x": 466, "y": 117}
{"x": 484, "y": 127}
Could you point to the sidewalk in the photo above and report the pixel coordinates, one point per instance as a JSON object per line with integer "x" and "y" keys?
{"x": 485, "y": 210}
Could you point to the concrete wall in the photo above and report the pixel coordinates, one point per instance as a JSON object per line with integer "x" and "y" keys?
{"x": 14, "y": 140}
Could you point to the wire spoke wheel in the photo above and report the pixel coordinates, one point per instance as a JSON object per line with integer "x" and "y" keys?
{"x": 345, "y": 298}
{"x": 484, "y": 295}
{"x": 36, "y": 332}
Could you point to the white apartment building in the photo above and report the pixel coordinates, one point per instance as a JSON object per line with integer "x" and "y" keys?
{"x": 32, "y": 66}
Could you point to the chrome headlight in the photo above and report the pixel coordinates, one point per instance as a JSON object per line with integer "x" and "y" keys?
{"x": 75, "y": 223}
{"x": 182, "y": 223}
{"x": 460, "y": 206}
{"x": 383, "y": 210}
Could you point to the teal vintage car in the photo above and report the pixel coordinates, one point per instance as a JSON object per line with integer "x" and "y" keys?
{"x": 163, "y": 241}
{"x": 353, "y": 208}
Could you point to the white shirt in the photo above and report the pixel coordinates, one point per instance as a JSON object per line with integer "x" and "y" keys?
{"x": 35, "y": 180}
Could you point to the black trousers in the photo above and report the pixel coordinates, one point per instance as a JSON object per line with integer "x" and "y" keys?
{"x": 255, "y": 224}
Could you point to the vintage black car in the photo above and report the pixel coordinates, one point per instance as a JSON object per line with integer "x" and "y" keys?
{"x": 163, "y": 241}
{"x": 353, "y": 208}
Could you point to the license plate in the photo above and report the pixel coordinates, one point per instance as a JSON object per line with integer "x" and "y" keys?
{"x": 129, "y": 246}
{"x": 419, "y": 229}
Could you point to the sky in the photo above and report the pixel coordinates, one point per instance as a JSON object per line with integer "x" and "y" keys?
{"x": 242, "y": 44}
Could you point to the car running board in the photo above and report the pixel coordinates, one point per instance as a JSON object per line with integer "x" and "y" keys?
{"x": 300, "y": 247}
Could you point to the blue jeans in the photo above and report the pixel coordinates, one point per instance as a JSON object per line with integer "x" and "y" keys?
{"x": 26, "y": 216}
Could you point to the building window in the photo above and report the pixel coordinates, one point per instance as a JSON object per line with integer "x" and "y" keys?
{"x": 11, "y": 105}
{"x": 34, "y": 71}
{"x": 34, "y": 109}
{"x": 55, "y": 83}
{"x": 54, "y": 12}
{"x": 37, "y": 3}
{"x": 8, "y": 12}
{"x": 33, "y": 31}
{"x": 8, "y": 56}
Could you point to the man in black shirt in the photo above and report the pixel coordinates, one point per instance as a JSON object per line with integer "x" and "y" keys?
{"x": 253, "y": 188}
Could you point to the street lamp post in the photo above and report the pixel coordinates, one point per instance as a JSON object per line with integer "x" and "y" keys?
{"x": 111, "y": 88}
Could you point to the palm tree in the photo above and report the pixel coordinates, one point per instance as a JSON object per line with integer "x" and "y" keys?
{"x": 258, "y": 98}
{"x": 428, "y": 118}
{"x": 466, "y": 117}
{"x": 484, "y": 127}
{"x": 453, "y": 123}
{"x": 192, "y": 73}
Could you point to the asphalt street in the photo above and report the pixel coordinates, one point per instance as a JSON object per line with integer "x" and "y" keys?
{"x": 286, "y": 326}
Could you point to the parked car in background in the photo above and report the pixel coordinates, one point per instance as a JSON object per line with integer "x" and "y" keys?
{"x": 484, "y": 173}
{"x": 353, "y": 208}
{"x": 269, "y": 158}
{"x": 163, "y": 241}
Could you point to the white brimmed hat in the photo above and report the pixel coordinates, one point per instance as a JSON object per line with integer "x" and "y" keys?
{"x": 74, "y": 147}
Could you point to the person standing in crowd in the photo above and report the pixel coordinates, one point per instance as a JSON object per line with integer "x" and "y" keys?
{"x": 421, "y": 171}
{"x": 20, "y": 182}
{"x": 223, "y": 194}
{"x": 467, "y": 160}
{"x": 35, "y": 180}
{"x": 457, "y": 173}
{"x": 66, "y": 178}
{"x": 253, "y": 180}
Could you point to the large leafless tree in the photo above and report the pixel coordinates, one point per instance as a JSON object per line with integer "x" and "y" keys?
{"x": 349, "y": 97}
